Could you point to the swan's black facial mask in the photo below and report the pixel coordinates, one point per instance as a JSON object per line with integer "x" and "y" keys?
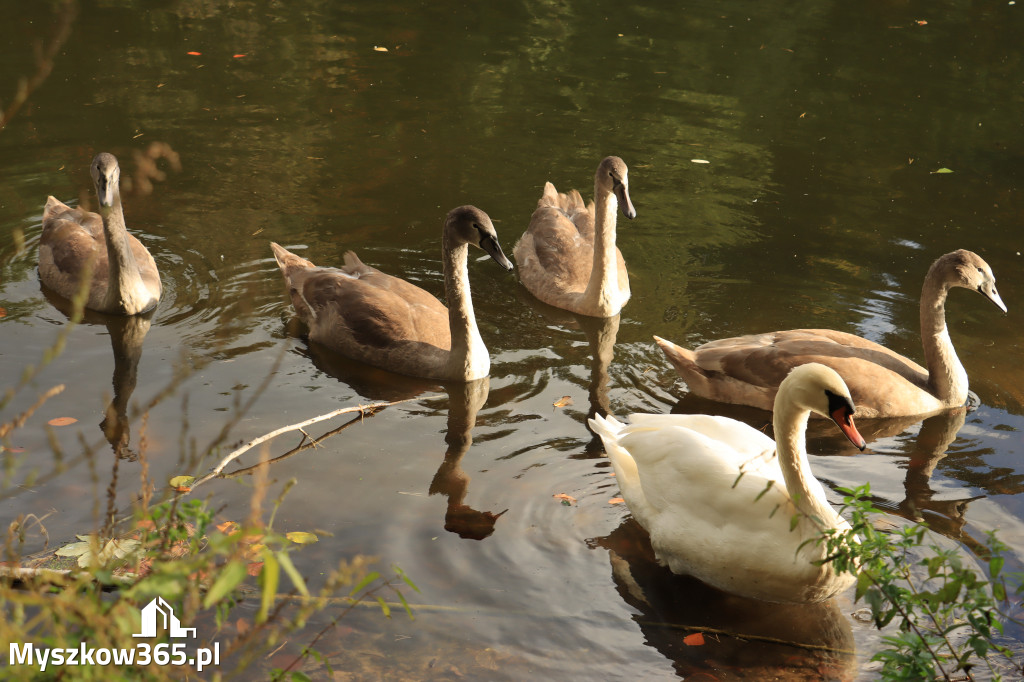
{"x": 840, "y": 409}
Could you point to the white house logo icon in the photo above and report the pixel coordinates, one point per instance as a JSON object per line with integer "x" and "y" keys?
{"x": 158, "y": 608}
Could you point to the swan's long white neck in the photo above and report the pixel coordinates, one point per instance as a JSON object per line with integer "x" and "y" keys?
{"x": 946, "y": 376}
{"x": 603, "y": 289}
{"x": 468, "y": 358}
{"x": 126, "y": 290}
{"x": 790, "y": 423}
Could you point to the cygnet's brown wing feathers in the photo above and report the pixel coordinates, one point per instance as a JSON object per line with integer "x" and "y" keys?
{"x": 70, "y": 238}
{"x": 762, "y": 361}
{"x": 369, "y": 307}
{"x": 562, "y": 230}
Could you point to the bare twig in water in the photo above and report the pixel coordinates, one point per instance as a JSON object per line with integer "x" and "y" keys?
{"x": 361, "y": 409}
{"x": 18, "y": 421}
{"x": 44, "y": 63}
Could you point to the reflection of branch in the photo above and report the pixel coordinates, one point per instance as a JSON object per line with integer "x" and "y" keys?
{"x": 363, "y": 409}
{"x": 44, "y": 63}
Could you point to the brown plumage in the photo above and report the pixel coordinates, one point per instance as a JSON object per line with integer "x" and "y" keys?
{"x": 385, "y": 321}
{"x": 747, "y": 370}
{"x": 124, "y": 277}
{"x": 567, "y": 257}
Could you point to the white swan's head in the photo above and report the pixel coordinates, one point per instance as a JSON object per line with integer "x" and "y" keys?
{"x": 106, "y": 175}
{"x": 613, "y": 176}
{"x": 967, "y": 269}
{"x": 470, "y": 225}
{"x": 821, "y": 390}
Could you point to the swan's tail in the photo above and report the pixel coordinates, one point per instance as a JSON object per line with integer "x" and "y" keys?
{"x": 685, "y": 362}
{"x": 570, "y": 203}
{"x": 607, "y": 428}
{"x": 54, "y": 207}
{"x": 286, "y": 260}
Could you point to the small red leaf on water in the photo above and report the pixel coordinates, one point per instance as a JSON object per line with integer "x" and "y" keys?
{"x": 696, "y": 639}
{"x": 194, "y": 54}
{"x": 566, "y": 499}
{"x": 62, "y": 421}
{"x": 239, "y": 56}
{"x": 3, "y": 312}
{"x": 922, "y": 22}
{"x": 254, "y": 568}
{"x": 616, "y": 500}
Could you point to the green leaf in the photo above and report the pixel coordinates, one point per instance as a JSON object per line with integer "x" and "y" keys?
{"x": 942, "y": 170}
{"x": 364, "y": 583}
{"x": 767, "y": 487}
{"x": 289, "y": 568}
{"x": 270, "y": 576}
{"x": 995, "y": 565}
{"x": 384, "y": 607}
{"x": 405, "y": 604}
{"x": 229, "y": 577}
{"x": 405, "y": 578}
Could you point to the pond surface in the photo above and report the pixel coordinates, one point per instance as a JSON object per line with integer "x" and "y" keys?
{"x": 784, "y": 162}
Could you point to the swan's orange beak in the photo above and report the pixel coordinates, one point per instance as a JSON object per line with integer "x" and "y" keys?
{"x": 843, "y": 417}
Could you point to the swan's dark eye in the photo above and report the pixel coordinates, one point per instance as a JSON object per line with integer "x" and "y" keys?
{"x": 981, "y": 271}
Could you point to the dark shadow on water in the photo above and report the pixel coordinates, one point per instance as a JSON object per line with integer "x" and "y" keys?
{"x": 742, "y": 638}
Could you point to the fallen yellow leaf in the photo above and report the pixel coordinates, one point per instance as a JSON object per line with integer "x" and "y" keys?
{"x": 563, "y": 401}
{"x": 616, "y": 500}
{"x": 566, "y": 498}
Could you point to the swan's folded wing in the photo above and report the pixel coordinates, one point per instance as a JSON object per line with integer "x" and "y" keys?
{"x": 376, "y": 311}
{"x": 764, "y": 360}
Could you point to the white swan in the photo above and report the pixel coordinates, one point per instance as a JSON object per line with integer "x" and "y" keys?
{"x": 747, "y": 370}
{"x": 124, "y": 279}
{"x": 385, "y": 321}
{"x": 567, "y": 257}
{"x": 719, "y": 504}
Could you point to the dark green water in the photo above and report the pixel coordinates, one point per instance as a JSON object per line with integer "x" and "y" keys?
{"x": 822, "y": 125}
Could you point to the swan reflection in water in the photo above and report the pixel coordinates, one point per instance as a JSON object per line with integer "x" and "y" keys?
{"x": 464, "y": 402}
{"x": 127, "y": 333}
{"x": 742, "y": 638}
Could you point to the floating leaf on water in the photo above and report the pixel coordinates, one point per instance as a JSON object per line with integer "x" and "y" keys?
{"x": 699, "y": 161}
{"x": 616, "y": 500}
{"x": 228, "y": 527}
{"x": 182, "y": 483}
{"x": 61, "y": 421}
{"x": 378, "y": 48}
{"x": 566, "y": 499}
{"x": 941, "y": 170}
{"x": 194, "y": 54}
{"x": 696, "y": 639}
{"x": 563, "y": 401}
{"x": 301, "y": 537}
{"x": 921, "y": 22}
{"x": 238, "y": 56}
{"x": 3, "y": 312}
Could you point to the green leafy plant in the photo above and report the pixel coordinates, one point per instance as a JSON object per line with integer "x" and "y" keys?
{"x": 949, "y": 617}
